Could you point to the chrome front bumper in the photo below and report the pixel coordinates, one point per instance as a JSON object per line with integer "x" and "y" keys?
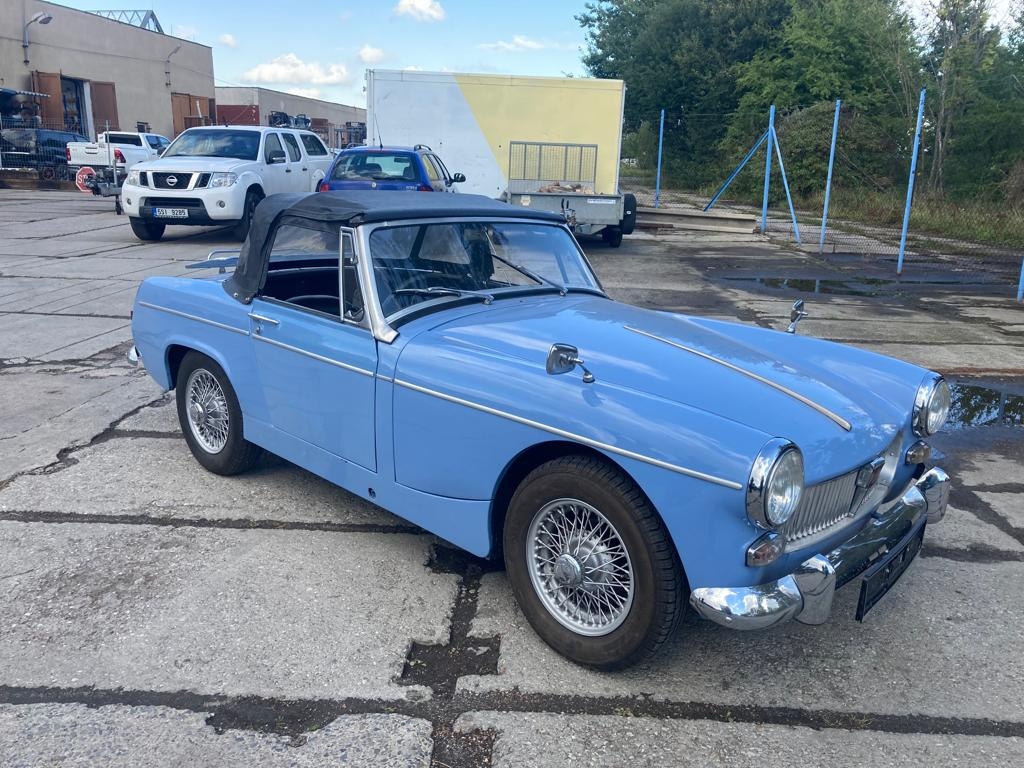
{"x": 806, "y": 594}
{"x": 132, "y": 355}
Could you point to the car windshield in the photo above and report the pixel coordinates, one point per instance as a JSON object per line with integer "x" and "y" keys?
{"x": 216, "y": 142}
{"x": 379, "y": 166}
{"x": 429, "y": 262}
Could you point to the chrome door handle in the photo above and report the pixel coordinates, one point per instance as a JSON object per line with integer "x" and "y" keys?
{"x": 305, "y": 169}
{"x": 287, "y": 170}
{"x": 261, "y": 318}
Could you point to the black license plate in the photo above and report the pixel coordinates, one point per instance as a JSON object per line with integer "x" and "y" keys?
{"x": 881, "y": 576}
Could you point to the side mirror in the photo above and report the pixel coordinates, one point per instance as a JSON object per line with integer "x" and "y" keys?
{"x": 458, "y": 178}
{"x": 563, "y": 358}
{"x": 277, "y": 156}
{"x": 796, "y": 315}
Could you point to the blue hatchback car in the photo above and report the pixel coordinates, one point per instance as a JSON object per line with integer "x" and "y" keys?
{"x": 456, "y": 361}
{"x": 413, "y": 169}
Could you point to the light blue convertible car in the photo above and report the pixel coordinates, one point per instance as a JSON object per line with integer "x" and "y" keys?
{"x": 456, "y": 361}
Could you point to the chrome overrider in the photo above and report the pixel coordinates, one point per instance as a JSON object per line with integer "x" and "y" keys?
{"x": 806, "y": 594}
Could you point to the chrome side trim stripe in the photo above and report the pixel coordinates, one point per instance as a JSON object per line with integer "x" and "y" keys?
{"x": 774, "y": 385}
{"x": 321, "y": 358}
{"x": 198, "y": 319}
{"x": 572, "y": 436}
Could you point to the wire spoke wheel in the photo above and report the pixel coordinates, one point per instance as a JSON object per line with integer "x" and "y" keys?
{"x": 207, "y": 409}
{"x": 579, "y": 567}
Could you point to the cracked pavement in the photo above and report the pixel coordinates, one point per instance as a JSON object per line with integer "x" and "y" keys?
{"x": 159, "y": 615}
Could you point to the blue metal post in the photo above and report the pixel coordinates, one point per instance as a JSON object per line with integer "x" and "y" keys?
{"x": 785, "y": 186}
{"x": 910, "y": 184}
{"x": 1020, "y": 285}
{"x": 767, "y": 170}
{"x": 657, "y": 181}
{"x": 736, "y": 172}
{"x": 828, "y": 180}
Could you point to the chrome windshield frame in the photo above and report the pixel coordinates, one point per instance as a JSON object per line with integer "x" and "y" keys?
{"x": 382, "y": 329}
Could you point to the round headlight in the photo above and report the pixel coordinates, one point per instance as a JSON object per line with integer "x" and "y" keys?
{"x": 776, "y": 482}
{"x": 931, "y": 406}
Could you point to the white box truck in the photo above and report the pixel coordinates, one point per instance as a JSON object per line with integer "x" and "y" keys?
{"x": 550, "y": 143}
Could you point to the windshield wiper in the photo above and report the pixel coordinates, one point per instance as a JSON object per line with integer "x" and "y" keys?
{"x": 439, "y": 291}
{"x": 562, "y": 290}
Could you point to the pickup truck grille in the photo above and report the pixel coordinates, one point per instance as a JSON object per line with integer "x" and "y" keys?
{"x": 822, "y": 506}
{"x": 162, "y": 180}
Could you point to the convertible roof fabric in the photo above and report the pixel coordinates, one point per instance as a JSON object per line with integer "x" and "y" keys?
{"x": 350, "y": 209}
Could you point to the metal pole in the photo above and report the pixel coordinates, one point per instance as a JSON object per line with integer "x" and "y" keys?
{"x": 785, "y": 186}
{"x": 910, "y": 184}
{"x": 1, "y": 144}
{"x": 657, "y": 180}
{"x": 767, "y": 170}
{"x": 736, "y": 172}
{"x": 1020, "y": 285}
{"x": 828, "y": 180}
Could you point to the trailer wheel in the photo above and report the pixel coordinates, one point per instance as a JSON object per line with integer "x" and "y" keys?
{"x": 612, "y": 236}
{"x": 628, "y": 223}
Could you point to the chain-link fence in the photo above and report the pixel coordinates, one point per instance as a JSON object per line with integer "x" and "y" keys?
{"x": 982, "y": 227}
{"x": 34, "y": 144}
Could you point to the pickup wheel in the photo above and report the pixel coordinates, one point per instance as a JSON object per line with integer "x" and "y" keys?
{"x": 612, "y": 236}
{"x": 241, "y": 229}
{"x": 146, "y": 230}
{"x": 591, "y": 564}
{"x": 211, "y": 418}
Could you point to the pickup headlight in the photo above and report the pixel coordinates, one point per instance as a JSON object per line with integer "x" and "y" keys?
{"x": 931, "y": 406}
{"x": 776, "y": 483}
{"x": 222, "y": 179}
{"x": 133, "y": 178}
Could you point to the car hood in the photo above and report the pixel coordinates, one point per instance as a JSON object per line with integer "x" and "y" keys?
{"x": 706, "y": 364}
{"x": 192, "y": 164}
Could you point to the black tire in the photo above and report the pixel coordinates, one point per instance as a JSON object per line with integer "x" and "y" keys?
{"x": 241, "y": 230}
{"x": 660, "y": 594}
{"x": 146, "y": 230}
{"x": 612, "y": 236}
{"x": 628, "y": 223}
{"x": 237, "y": 454}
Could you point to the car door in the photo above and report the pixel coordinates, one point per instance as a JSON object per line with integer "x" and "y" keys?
{"x": 274, "y": 177}
{"x": 297, "y": 169}
{"x": 449, "y": 184}
{"x": 434, "y": 177}
{"x": 317, "y": 371}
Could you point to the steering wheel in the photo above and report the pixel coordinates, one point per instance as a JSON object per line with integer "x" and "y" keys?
{"x": 391, "y": 303}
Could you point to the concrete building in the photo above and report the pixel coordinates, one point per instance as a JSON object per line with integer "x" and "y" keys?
{"x": 338, "y": 124}
{"x": 83, "y": 72}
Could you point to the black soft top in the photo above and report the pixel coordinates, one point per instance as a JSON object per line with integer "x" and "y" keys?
{"x": 322, "y": 210}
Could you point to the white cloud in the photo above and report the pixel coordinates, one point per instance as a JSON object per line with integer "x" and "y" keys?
{"x": 184, "y": 32}
{"x": 309, "y": 93}
{"x": 370, "y": 55}
{"x": 421, "y": 10}
{"x": 517, "y": 43}
{"x": 520, "y": 43}
{"x": 228, "y": 39}
{"x": 412, "y": 68}
{"x": 289, "y": 68}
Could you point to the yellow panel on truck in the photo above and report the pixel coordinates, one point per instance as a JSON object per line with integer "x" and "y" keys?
{"x": 551, "y": 110}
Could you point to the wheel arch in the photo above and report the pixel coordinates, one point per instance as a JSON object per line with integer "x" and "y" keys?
{"x": 175, "y": 353}
{"x": 528, "y": 460}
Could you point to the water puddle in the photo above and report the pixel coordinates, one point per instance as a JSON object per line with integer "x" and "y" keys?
{"x": 979, "y": 406}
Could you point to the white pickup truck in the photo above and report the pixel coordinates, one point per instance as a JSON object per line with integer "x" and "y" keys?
{"x": 119, "y": 149}
{"x": 213, "y": 175}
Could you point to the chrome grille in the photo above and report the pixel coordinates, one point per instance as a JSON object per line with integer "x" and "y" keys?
{"x": 822, "y": 506}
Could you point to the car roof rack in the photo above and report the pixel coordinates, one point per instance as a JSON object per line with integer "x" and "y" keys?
{"x": 422, "y": 146}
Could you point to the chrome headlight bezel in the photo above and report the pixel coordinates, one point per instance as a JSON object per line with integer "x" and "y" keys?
{"x": 133, "y": 178}
{"x": 931, "y": 406}
{"x": 221, "y": 179}
{"x": 777, "y": 453}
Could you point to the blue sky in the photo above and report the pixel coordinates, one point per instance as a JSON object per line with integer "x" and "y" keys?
{"x": 323, "y": 48}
